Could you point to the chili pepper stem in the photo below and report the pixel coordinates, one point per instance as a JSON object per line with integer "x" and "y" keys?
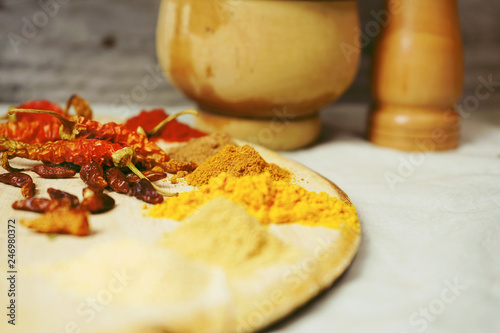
{"x": 123, "y": 157}
{"x": 4, "y": 162}
{"x": 158, "y": 127}
{"x": 10, "y": 145}
{"x": 141, "y": 131}
{"x": 80, "y": 105}
{"x": 132, "y": 167}
{"x": 9, "y": 117}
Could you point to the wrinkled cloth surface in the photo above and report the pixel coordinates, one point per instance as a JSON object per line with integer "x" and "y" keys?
{"x": 430, "y": 254}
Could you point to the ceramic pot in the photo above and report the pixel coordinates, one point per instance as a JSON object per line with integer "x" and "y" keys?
{"x": 249, "y": 63}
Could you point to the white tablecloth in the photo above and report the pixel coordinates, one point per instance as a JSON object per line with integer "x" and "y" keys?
{"x": 430, "y": 254}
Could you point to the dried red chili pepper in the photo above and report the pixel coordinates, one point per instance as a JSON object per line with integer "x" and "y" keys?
{"x": 147, "y": 120}
{"x": 80, "y": 151}
{"x": 19, "y": 179}
{"x": 144, "y": 190}
{"x": 173, "y": 131}
{"x": 117, "y": 180}
{"x": 80, "y": 105}
{"x": 58, "y": 199}
{"x": 70, "y": 166}
{"x": 54, "y": 171}
{"x": 118, "y": 133}
{"x": 33, "y": 128}
{"x": 37, "y": 205}
{"x": 93, "y": 174}
{"x": 37, "y": 127}
{"x": 147, "y": 152}
{"x": 153, "y": 176}
{"x": 32, "y": 132}
{"x": 96, "y": 201}
{"x": 64, "y": 198}
{"x": 38, "y": 105}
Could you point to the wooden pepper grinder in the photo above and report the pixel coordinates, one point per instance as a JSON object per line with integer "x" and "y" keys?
{"x": 418, "y": 77}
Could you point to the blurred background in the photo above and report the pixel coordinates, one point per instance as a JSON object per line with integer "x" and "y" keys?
{"x": 103, "y": 49}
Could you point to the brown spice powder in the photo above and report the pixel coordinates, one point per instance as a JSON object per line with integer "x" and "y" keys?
{"x": 237, "y": 162}
{"x": 200, "y": 149}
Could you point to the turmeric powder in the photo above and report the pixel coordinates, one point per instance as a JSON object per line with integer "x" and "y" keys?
{"x": 237, "y": 162}
{"x": 270, "y": 201}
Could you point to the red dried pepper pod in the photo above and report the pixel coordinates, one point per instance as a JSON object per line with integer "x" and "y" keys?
{"x": 35, "y": 122}
{"x": 54, "y": 171}
{"x": 38, "y": 105}
{"x": 80, "y": 151}
{"x": 154, "y": 123}
{"x": 79, "y": 104}
{"x": 96, "y": 201}
{"x": 144, "y": 190}
{"x": 64, "y": 198}
{"x": 148, "y": 154}
{"x": 33, "y": 127}
{"x": 117, "y": 180}
{"x": 31, "y": 132}
{"x": 93, "y": 174}
{"x": 37, "y": 205}
{"x": 19, "y": 179}
{"x": 153, "y": 176}
{"x": 58, "y": 199}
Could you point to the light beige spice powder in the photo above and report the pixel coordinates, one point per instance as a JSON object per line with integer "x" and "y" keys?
{"x": 222, "y": 233}
{"x": 147, "y": 274}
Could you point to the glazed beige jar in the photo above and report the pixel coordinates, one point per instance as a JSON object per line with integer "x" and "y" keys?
{"x": 246, "y": 62}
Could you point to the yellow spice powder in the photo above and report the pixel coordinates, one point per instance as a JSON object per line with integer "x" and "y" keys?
{"x": 268, "y": 200}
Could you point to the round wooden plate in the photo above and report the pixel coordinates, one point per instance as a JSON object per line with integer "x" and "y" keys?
{"x": 120, "y": 280}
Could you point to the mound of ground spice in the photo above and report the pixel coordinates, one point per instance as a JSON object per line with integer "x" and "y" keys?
{"x": 270, "y": 201}
{"x": 174, "y": 131}
{"x": 222, "y": 233}
{"x": 200, "y": 149}
{"x": 155, "y": 274}
{"x": 237, "y": 162}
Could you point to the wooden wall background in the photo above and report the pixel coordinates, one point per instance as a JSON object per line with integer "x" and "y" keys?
{"x": 102, "y": 49}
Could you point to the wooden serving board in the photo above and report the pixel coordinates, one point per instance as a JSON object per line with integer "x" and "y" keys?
{"x": 139, "y": 285}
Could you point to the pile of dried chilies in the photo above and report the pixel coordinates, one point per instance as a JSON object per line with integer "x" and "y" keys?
{"x": 106, "y": 156}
